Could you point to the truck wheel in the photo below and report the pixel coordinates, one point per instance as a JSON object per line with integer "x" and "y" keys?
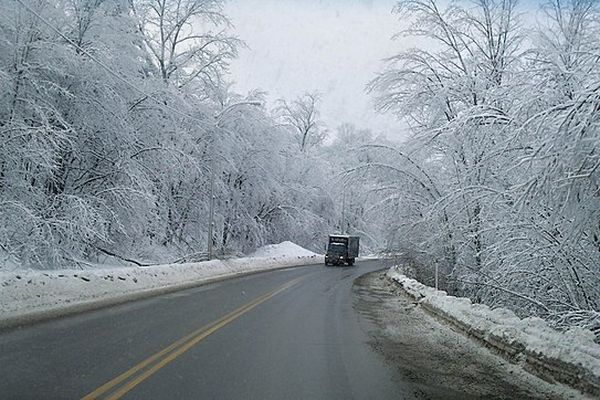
{"x": 351, "y": 262}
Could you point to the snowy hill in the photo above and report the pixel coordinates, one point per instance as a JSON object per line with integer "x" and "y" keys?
{"x": 283, "y": 249}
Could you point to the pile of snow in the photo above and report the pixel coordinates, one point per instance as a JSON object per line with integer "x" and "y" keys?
{"x": 571, "y": 357}
{"x": 283, "y": 249}
{"x": 27, "y": 295}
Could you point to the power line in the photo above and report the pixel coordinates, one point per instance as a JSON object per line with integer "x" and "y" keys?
{"x": 108, "y": 69}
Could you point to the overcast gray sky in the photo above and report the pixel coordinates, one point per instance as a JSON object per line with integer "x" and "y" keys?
{"x": 331, "y": 46}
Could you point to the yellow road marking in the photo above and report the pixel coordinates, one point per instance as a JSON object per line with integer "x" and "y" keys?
{"x": 177, "y": 348}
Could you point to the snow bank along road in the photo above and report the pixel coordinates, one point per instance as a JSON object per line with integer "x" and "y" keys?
{"x": 29, "y": 296}
{"x": 303, "y": 333}
{"x": 571, "y": 357}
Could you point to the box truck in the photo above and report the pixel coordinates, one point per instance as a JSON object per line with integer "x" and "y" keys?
{"x": 341, "y": 250}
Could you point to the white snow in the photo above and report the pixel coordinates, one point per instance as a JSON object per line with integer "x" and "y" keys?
{"x": 29, "y": 294}
{"x": 283, "y": 249}
{"x": 530, "y": 335}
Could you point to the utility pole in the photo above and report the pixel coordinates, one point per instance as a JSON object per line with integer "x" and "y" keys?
{"x": 211, "y": 212}
{"x": 344, "y": 211}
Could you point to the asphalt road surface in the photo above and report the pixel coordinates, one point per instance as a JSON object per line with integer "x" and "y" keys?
{"x": 289, "y": 334}
{"x": 310, "y": 332}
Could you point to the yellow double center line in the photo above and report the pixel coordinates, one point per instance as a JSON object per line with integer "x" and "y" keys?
{"x": 152, "y": 364}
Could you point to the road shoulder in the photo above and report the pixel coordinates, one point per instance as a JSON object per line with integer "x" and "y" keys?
{"x": 441, "y": 362}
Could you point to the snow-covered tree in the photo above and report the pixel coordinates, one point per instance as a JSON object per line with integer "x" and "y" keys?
{"x": 116, "y": 120}
{"x": 496, "y": 186}
{"x": 301, "y": 116}
{"x": 186, "y": 39}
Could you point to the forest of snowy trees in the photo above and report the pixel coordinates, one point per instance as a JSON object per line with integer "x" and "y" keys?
{"x": 499, "y": 185}
{"x": 117, "y": 122}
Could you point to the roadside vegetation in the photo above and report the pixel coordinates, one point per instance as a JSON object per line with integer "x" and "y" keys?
{"x": 498, "y": 185}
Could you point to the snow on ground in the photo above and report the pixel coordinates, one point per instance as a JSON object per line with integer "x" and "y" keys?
{"x": 30, "y": 295}
{"x": 434, "y": 359}
{"x": 574, "y": 350}
{"x": 283, "y": 249}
